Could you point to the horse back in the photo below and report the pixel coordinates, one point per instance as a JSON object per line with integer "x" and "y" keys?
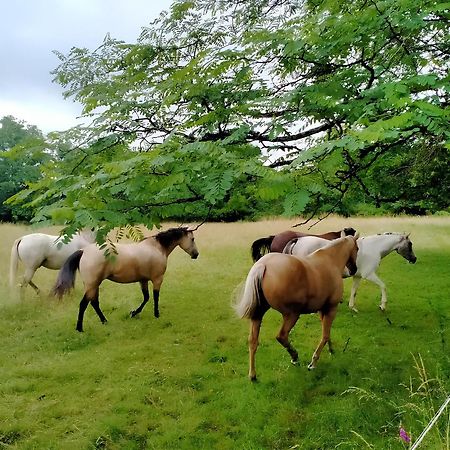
{"x": 308, "y": 244}
{"x": 281, "y": 239}
{"x": 126, "y": 263}
{"x": 33, "y": 249}
{"x": 293, "y": 284}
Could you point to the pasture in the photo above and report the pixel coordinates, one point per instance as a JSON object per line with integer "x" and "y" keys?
{"x": 180, "y": 381}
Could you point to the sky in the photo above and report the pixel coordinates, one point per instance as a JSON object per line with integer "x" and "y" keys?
{"x": 30, "y": 30}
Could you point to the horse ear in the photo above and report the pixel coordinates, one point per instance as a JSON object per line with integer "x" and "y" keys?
{"x": 343, "y": 233}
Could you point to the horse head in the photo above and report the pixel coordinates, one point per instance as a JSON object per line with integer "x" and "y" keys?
{"x": 89, "y": 234}
{"x": 405, "y": 249}
{"x": 349, "y": 231}
{"x": 187, "y": 243}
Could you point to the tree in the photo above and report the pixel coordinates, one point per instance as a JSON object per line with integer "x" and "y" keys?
{"x": 21, "y": 153}
{"x": 266, "y": 91}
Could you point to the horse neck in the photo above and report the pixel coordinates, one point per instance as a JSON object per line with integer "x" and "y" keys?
{"x": 167, "y": 250}
{"x": 385, "y": 243}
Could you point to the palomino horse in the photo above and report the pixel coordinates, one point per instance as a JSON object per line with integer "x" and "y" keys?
{"x": 295, "y": 286}
{"x": 276, "y": 243}
{"x": 43, "y": 250}
{"x": 371, "y": 250}
{"x": 136, "y": 262}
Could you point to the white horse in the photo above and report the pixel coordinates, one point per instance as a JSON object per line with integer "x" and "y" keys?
{"x": 371, "y": 250}
{"x": 43, "y": 250}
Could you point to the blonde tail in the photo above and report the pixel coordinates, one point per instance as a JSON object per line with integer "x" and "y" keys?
{"x": 13, "y": 262}
{"x": 251, "y": 294}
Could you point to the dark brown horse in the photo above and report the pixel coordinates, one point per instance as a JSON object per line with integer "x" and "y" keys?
{"x": 138, "y": 262}
{"x": 295, "y": 286}
{"x": 277, "y": 242}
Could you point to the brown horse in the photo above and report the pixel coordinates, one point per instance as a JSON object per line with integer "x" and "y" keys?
{"x": 277, "y": 242}
{"x": 137, "y": 262}
{"x": 295, "y": 286}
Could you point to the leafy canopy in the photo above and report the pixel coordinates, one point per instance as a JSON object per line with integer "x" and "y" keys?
{"x": 222, "y": 99}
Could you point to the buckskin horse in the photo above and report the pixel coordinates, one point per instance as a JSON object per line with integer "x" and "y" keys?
{"x": 136, "y": 262}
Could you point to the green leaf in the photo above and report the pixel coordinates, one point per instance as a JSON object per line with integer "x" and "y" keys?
{"x": 296, "y": 202}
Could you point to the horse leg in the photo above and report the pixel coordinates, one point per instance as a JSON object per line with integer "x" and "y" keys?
{"x": 253, "y": 338}
{"x": 38, "y": 291}
{"x": 255, "y": 326}
{"x": 144, "y": 288}
{"x": 374, "y": 278}
{"x": 355, "y": 285}
{"x": 327, "y": 321}
{"x": 27, "y": 277}
{"x": 156, "y": 287}
{"x": 96, "y": 305}
{"x": 91, "y": 295}
{"x": 289, "y": 320}
{"x": 330, "y": 345}
{"x": 83, "y": 305}
{"x": 156, "y": 302}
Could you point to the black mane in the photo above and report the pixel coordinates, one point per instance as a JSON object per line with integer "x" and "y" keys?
{"x": 166, "y": 238}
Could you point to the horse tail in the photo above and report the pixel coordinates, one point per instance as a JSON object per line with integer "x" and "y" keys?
{"x": 67, "y": 274}
{"x": 261, "y": 247}
{"x": 251, "y": 295}
{"x": 14, "y": 260}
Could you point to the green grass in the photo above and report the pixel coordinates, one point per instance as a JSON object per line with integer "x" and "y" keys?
{"x": 180, "y": 381}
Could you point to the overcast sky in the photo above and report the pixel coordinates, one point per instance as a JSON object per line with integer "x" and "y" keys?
{"x": 29, "y": 32}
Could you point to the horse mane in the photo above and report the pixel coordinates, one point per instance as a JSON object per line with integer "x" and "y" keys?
{"x": 165, "y": 238}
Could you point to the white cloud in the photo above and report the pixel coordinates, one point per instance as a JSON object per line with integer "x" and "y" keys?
{"x": 31, "y": 30}
{"x": 54, "y": 116}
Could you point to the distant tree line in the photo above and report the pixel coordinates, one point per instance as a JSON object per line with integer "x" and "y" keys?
{"x": 22, "y": 153}
{"x": 228, "y": 109}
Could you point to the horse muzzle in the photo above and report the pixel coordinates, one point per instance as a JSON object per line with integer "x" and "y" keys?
{"x": 413, "y": 260}
{"x": 352, "y": 268}
{"x": 194, "y": 256}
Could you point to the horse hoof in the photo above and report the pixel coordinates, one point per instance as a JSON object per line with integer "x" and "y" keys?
{"x": 311, "y": 367}
{"x": 253, "y": 378}
{"x": 133, "y": 313}
{"x": 352, "y": 308}
{"x": 294, "y": 362}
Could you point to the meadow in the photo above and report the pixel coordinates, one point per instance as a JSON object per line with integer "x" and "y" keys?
{"x": 180, "y": 381}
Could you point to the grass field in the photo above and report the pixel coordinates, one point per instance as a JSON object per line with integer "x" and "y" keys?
{"x": 180, "y": 381}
